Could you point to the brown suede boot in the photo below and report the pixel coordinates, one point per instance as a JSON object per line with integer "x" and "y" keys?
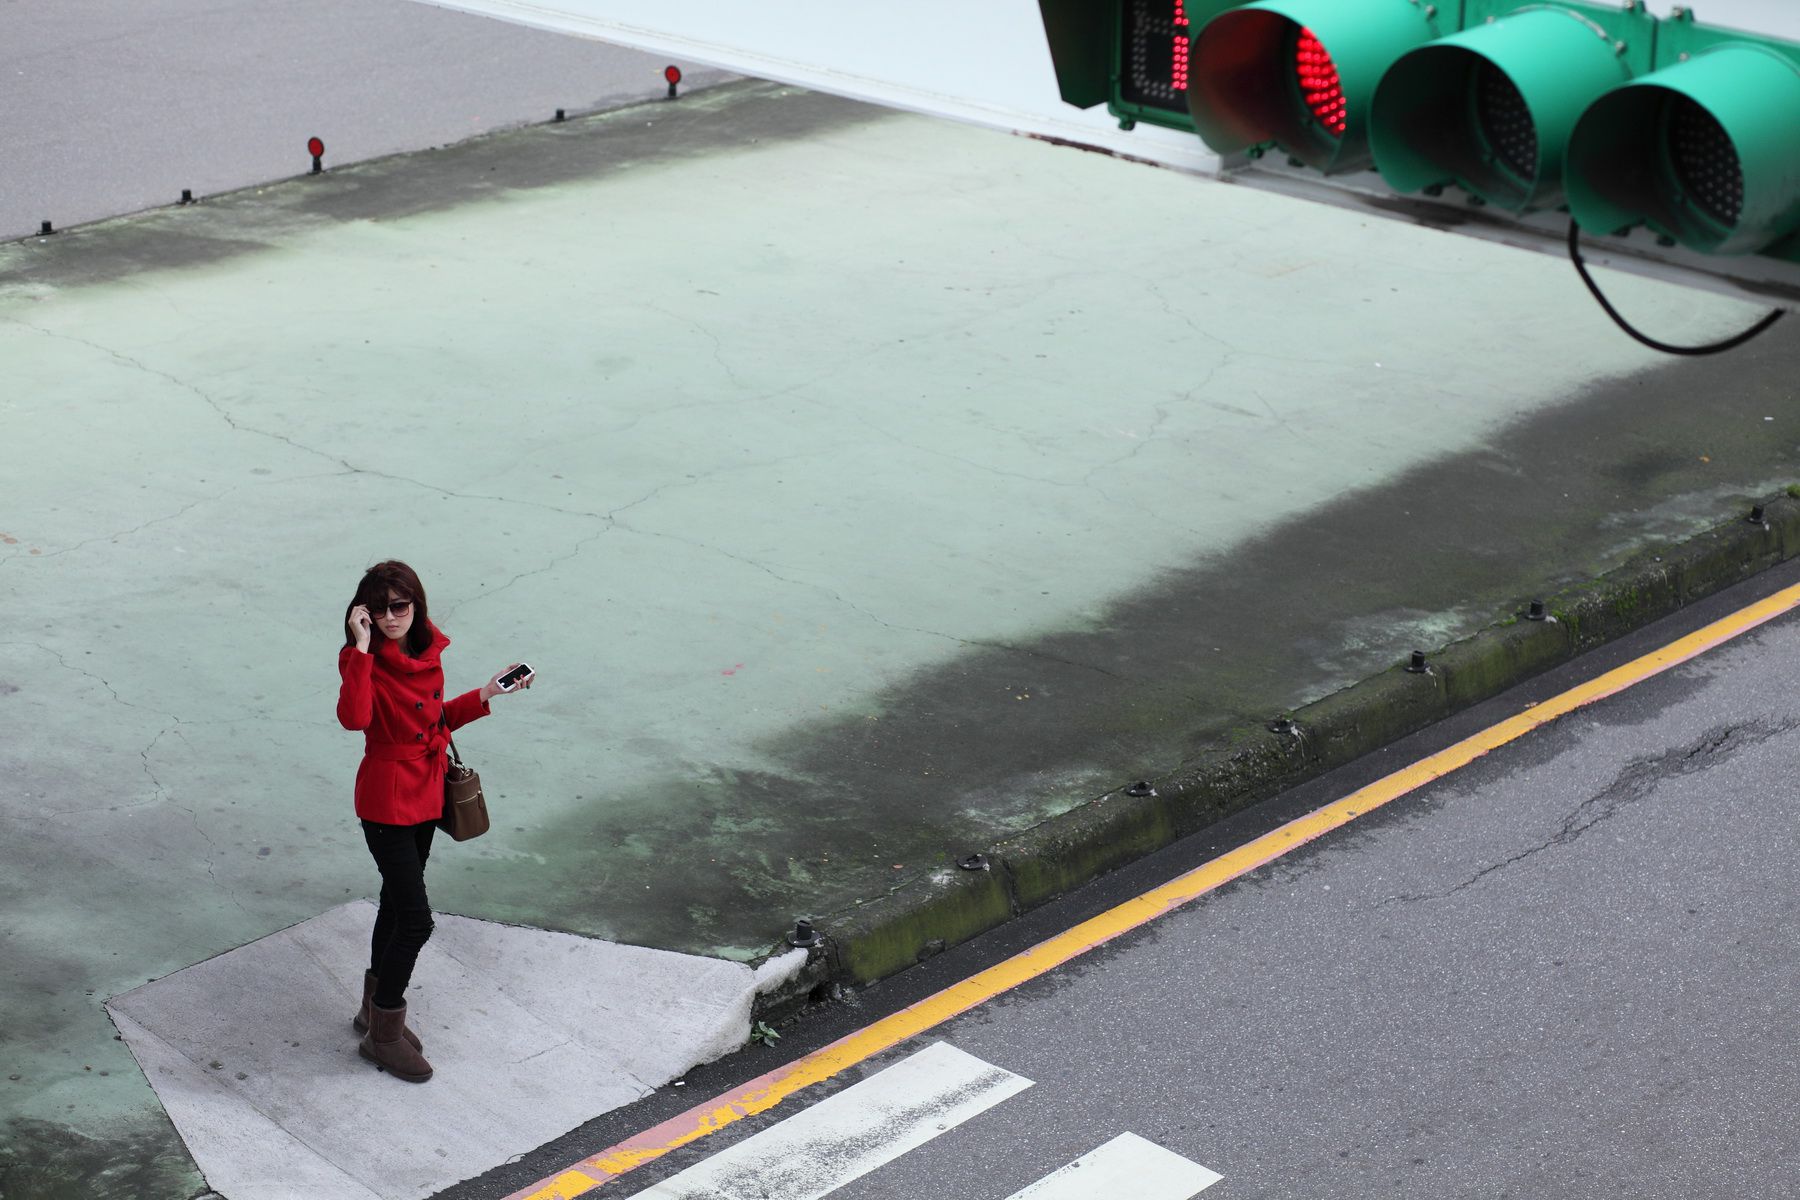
{"x": 360, "y": 1022}
{"x": 385, "y": 1046}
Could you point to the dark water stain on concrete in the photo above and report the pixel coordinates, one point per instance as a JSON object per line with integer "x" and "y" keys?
{"x": 135, "y": 1158}
{"x": 951, "y": 761}
{"x": 734, "y": 116}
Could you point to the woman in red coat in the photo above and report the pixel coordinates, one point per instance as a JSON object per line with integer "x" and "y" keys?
{"x": 393, "y": 690}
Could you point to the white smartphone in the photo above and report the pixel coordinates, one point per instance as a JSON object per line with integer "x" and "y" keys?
{"x": 515, "y": 677}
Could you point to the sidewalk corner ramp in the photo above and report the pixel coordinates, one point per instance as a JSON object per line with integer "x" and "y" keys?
{"x": 545, "y": 1030}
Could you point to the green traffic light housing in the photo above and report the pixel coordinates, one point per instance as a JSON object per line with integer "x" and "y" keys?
{"x": 1705, "y": 151}
{"x": 1621, "y": 116}
{"x": 1491, "y": 109}
{"x": 1299, "y": 74}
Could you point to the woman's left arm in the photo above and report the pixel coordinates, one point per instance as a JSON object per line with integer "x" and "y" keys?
{"x": 460, "y": 710}
{"x": 473, "y": 705}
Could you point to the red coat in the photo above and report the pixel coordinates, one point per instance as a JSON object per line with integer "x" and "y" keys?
{"x": 396, "y": 701}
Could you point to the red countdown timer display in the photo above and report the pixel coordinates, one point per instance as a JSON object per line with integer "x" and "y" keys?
{"x": 1153, "y": 52}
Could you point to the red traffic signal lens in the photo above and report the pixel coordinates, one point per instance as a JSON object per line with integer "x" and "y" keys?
{"x": 1320, "y": 87}
{"x": 672, "y": 74}
{"x": 315, "y": 147}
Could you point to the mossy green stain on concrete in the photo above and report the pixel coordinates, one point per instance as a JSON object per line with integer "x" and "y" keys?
{"x": 948, "y": 907}
{"x": 136, "y": 1154}
{"x": 1076, "y": 847}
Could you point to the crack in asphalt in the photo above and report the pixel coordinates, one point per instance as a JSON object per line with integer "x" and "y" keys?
{"x": 547, "y": 567}
{"x": 718, "y": 347}
{"x": 211, "y": 870}
{"x": 865, "y": 613}
{"x": 610, "y": 518}
{"x": 110, "y": 537}
{"x": 896, "y": 439}
{"x": 206, "y": 398}
{"x": 1635, "y": 782}
{"x": 68, "y": 666}
{"x": 158, "y": 792}
{"x": 349, "y": 468}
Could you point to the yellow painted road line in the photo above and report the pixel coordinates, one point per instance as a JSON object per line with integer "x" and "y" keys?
{"x": 766, "y": 1091}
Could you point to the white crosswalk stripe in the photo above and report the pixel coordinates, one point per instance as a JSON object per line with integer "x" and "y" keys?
{"x": 1126, "y": 1168}
{"x": 843, "y": 1137}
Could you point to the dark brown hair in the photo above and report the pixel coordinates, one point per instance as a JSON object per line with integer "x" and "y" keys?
{"x": 378, "y": 582}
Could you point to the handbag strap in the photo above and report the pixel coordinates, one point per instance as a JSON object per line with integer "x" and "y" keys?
{"x": 444, "y": 720}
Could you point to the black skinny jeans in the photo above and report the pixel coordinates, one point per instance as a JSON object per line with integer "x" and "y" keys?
{"x": 403, "y": 923}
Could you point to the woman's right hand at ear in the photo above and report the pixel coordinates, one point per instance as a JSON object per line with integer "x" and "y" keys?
{"x": 359, "y": 624}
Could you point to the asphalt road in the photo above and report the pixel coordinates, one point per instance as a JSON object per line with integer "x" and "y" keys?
{"x": 113, "y": 108}
{"x": 1566, "y": 970}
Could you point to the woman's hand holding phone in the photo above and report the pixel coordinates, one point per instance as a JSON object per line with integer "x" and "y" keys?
{"x": 516, "y": 677}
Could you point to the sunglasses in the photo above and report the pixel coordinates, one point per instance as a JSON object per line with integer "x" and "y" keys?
{"x": 398, "y": 608}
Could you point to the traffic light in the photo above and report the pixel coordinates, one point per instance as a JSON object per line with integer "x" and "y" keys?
{"x": 1705, "y": 151}
{"x": 1625, "y": 118}
{"x": 1561, "y": 116}
{"x": 1300, "y": 74}
{"x": 1490, "y": 109}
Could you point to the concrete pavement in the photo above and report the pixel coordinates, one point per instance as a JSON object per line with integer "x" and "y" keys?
{"x": 865, "y": 490}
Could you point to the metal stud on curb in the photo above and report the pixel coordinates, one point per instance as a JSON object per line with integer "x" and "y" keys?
{"x": 1417, "y": 665}
{"x": 1140, "y": 788}
{"x": 1756, "y": 515}
{"x": 560, "y": 116}
{"x": 974, "y": 862}
{"x": 804, "y": 936}
{"x": 1537, "y": 612}
{"x": 46, "y": 229}
{"x": 187, "y": 195}
{"x": 1281, "y": 725}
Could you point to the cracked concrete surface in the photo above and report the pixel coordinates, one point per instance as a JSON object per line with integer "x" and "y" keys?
{"x": 864, "y": 489}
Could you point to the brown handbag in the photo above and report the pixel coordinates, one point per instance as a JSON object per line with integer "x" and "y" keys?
{"x": 465, "y": 809}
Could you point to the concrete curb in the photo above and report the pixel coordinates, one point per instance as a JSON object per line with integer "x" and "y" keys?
{"x": 925, "y": 915}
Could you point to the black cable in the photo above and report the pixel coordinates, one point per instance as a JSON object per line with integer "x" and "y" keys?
{"x": 1730, "y": 343}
